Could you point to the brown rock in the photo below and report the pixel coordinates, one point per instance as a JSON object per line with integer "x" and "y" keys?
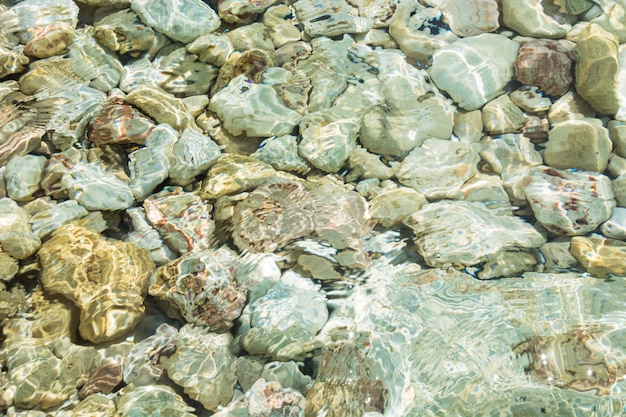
{"x": 546, "y": 64}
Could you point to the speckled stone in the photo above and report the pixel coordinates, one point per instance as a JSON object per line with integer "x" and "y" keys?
{"x": 200, "y": 288}
{"x": 569, "y": 202}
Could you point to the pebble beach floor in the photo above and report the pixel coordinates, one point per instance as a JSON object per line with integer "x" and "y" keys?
{"x": 316, "y": 208}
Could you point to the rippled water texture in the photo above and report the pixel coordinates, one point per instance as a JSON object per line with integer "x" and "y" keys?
{"x": 312, "y": 208}
{"x": 541, "y": 345}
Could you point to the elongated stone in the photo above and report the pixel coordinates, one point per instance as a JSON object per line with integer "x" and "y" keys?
{"x": 597, "y": 69}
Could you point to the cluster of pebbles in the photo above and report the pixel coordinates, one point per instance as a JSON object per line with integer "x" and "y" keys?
{"x": 290, "y": 208}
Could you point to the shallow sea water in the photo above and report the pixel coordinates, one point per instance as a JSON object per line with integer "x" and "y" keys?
{"x": 544, "y": 344}
{"x": 443, "y": 343}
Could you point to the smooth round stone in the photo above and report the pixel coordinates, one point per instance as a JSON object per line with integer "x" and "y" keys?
{"x": 621, "y": 84}
{"x": 570, "y": 106}
{"x": 203, "y": 365}
{"x": 574, "y": 7}
{"x": 145, "y": 400}
{"x": 43, "y": 372}
{"x": 597, "y": 69}
{"x": 46, "y": 221}
{"x": 581, "y": 144}
{"x": 23, "y": 175}
{"x": 465, "y": 233}
{"x": 487, "y": 189}
{"x": 616, "y": 166}
{"x": 329, "y": 18}
{"x": 237, "y": 11}
{"x": 192, "y": 155}
{"x": 161, "y": 106}
{"x": 485, "y": 60}
{"x": 3, "y": 189}
{"x": 253, "y": 109}
{"x": 615, "y": 227}
{"x": 181, "y": 20}
{"x": 600, "y": 257}
{"x": 528, "y": 18}
{"x": 390, "y": 207}
{"x": 510, "y": 155}
{"x": 439, "y": 168}
{"x": 196, "y": 104}
{"x": 328, "y": 140}
{"x": 391, "y": 127}
{"x": 179, "y": 73}
{"x": 50, "y": 40}
{"x": 282, "y": 153}
{"x": 283, "y": 323}
{"x": 96, "y": 189}
{"x": 282, "y": 29}
{"x": 557, "y": 256}
{"x": 609, "y": 15}
{"x": 501, "y": 115}
{"x": 211, "y": 48}
{"x": 253, "y": 36}
{"x": 120, "y": 31}
{"x": 419, "y": 31}
{"x": 233, "y": 174}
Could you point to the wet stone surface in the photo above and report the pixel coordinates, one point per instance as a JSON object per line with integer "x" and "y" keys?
{"x": 253, "y": 208}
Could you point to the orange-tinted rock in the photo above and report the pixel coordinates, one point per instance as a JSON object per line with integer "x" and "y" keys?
{"x": 107, "y": 280}
{"x": 50, "y": 40}
{"x": 600, "y": 257}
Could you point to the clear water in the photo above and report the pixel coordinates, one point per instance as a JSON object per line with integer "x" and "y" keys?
{"x": 447, "y": 344}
